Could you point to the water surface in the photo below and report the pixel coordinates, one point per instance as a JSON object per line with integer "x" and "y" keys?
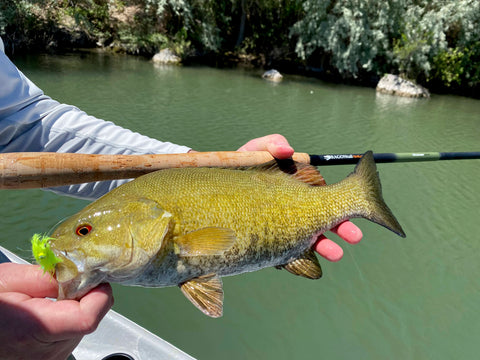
{"x": 388, "y": 298}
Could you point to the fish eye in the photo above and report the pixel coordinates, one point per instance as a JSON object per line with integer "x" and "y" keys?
{"x": 83, "y": 230}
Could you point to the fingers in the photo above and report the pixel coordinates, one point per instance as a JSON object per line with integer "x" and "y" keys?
{"x": 276, "y": 144}
{"x": 65, "y": 319}
{"x": 331, "y": 250}
{"x": 349, "y": 232}
{"x": 46, "y": 328}
{"x": 27, "y": 279}
{"x": 95, "y": 305}
{"x": 29, "y": 285}
{"x": 328, "y": 249}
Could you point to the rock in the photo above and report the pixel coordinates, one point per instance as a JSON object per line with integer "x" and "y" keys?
{"x": 272, "y": 75}
{"x": 166, "y": 56}
{"x": 395, "y": 85}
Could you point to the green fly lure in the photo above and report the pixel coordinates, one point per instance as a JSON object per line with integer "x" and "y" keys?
{"x": 43, "y": 254}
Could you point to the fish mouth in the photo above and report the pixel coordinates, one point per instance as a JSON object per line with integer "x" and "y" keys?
{"x": 76, "y": 274}
{"x": 73, "y": 283}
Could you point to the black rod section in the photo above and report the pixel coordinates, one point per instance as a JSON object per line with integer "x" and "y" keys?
{"x": 343, "y": 159}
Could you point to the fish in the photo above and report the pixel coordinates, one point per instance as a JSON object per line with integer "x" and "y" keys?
{"x": 189, "y": 227}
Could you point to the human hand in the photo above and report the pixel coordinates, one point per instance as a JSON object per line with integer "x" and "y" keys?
{"x": 279, "y": 148}
{"x": 34, "y": 327}
{"x": 275, "y": 144}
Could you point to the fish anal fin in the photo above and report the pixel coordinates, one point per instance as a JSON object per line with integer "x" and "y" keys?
{"x": 206, "y": 293}
{"x": 307, "y": 266}
{"x": 206, "y": 241}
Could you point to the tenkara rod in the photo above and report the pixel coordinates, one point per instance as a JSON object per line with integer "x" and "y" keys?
{"x": 342, "y": 159}
{"x": 35, "y": 170}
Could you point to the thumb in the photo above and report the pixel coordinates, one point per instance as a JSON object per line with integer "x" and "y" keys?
{"x": 276, "y": 144}
{"x": 27, "y": 279}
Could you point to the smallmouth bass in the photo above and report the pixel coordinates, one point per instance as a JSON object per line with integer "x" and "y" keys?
{"x": 191, "y": 226}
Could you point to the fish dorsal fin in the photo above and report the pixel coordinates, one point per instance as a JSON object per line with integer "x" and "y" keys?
{"x": 306, "y": 265}
{"x": 309, "y": 175}
{"x": 206, "y": 293}
{"x": 305, "y": 173}
{"x": 206, "y": 241}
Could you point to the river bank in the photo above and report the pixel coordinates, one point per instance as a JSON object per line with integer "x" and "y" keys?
{"x": 439, "y": 47}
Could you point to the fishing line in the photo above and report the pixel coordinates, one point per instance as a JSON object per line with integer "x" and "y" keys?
{"x": 356, "y": 264}
{"x": 50, "y": 231}
{"x": 27, "y": 253}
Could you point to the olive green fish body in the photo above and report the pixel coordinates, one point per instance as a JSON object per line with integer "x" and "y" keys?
{"x": 191, "y": 226}
{"x": 273, "y": 223}
{"x": 267, "y": 219}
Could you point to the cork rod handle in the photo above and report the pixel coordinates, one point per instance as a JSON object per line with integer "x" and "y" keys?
{"x": 35, "y": 170}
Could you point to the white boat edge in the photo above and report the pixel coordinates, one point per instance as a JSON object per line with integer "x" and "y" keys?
{"x": 116, "y": 336}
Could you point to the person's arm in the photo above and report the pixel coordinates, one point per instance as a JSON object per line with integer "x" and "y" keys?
{"x": 32, "y": 121}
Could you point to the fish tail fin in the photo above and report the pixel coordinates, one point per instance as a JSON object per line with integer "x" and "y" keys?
{"x": 376, "y": 209}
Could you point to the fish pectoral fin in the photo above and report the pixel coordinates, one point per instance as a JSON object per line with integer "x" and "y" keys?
{"x": 206, "y": 293}
{"x": 206, "y": 241}
{"x": 307, "y": 266}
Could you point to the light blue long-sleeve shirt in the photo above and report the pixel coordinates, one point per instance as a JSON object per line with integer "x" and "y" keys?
{"x": 32, "y": 121}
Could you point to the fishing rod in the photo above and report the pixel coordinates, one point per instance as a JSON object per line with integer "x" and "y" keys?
{"x": 42, "y": 169}
{"x": 344, "y": 159}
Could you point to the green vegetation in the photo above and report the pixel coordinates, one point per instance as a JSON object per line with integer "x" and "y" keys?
{"x": 434, "y": 42}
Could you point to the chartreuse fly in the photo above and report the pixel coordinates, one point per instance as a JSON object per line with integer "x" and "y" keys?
{"x": 43, "y": 254}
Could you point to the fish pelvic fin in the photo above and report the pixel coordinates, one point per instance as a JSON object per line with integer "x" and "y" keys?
{"x": 206, "y": 293}
{"x": 306, "y": 266}
{"x": 376, "y": 209}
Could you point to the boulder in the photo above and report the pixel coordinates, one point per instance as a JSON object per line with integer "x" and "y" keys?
{"x": 395, "y": 85}
{"x": 166, "y": 56}
{"x": 272, "y": 75}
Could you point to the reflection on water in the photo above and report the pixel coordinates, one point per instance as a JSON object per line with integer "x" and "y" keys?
{"x": 386, "y": 102}
{"x": 414, "y": 298}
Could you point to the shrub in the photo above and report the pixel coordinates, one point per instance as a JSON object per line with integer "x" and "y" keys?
{"x": 423, "y": 40}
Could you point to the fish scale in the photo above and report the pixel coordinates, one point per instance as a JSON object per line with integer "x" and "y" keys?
{"x": 191, "y": 226}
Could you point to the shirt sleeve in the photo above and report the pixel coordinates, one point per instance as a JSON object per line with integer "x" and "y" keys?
{"x": 32, "y": 121}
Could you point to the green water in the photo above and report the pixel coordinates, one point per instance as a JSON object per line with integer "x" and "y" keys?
{"x": 389, "y": 298}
